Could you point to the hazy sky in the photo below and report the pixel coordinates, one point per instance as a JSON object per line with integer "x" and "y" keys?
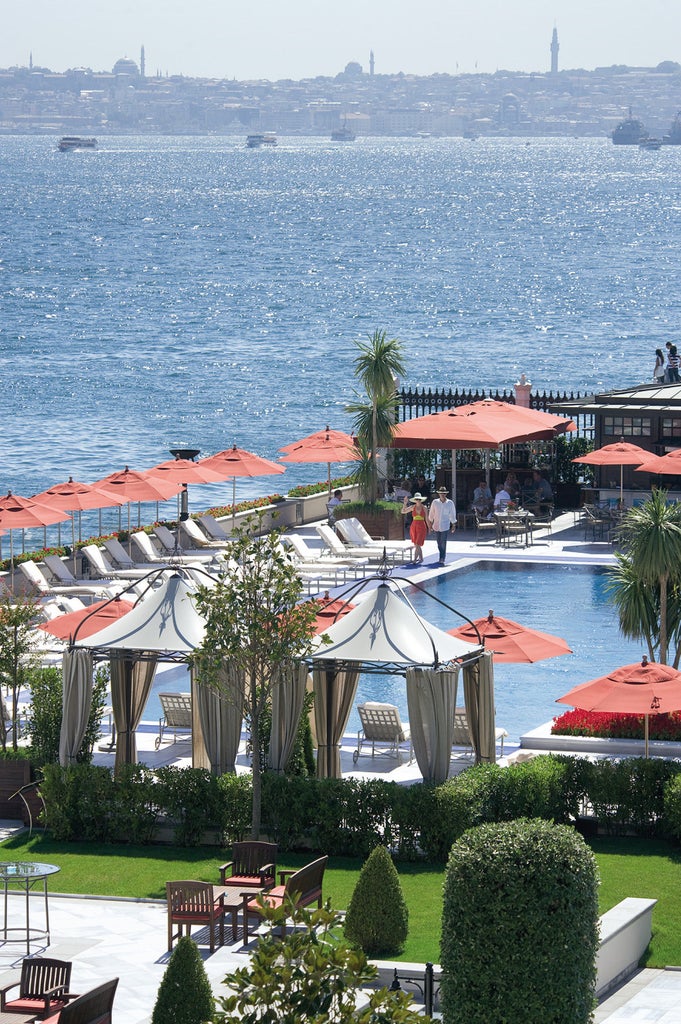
{"x": 304, "y": 38}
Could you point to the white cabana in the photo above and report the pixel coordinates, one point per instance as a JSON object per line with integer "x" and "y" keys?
{"x": 384, "y": 633}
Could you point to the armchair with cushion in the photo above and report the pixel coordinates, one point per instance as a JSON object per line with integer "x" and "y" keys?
{"x": 252, "y": 863}
{"x": 194, "y": 903}
{"x": 43, "y": 988}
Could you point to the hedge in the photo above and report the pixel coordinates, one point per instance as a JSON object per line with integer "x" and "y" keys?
{"x": 352, "y": 816}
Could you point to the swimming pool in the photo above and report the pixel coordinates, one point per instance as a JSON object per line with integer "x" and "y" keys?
{"x": 568, "y": 600}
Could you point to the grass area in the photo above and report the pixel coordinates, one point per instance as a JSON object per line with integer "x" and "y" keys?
{"x": 628, "y": 867}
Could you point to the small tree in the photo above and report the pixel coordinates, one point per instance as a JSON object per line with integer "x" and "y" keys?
{"x": 311, "y": 975}
{"x": 18, "y": 654}
{"x": 519, "y": 926}
{"x": 255, "y": 621}
{"x": 184, "y": 995}
{"x": 46, "y": 711}
{"x": 377, "y": 918}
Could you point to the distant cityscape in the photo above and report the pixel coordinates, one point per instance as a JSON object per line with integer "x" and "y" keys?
{"x": 362, "y": 102}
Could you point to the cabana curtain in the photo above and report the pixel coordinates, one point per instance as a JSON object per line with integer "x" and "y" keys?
{"x": 76, "y": 703}
{"x": 131, "y": 681}
{"x": 431, "y": 700}
{"x": 478, "y": 688}
{"x": 217, "y": 714}
{"x": 334, "y": 694}
{"x": 288, "y": 694}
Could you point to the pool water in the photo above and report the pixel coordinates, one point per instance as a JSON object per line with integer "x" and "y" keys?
{"x": 568, "y": 601}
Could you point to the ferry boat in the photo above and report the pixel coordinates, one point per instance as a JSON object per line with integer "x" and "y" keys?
{"x": 650, "y": 143}
{"x": 343, "y": 133}
{"x": 673, "y": 137}
{"x": 75, "y": 142}
{"x": 629, "y": 132}
{"x": 261, "y": 139}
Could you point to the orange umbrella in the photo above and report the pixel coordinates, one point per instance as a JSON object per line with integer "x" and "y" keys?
{"x": 620, "y": 453}
{"x": 87, "y": 620}
{"x": 644, "y": 688}
{"x": 330, "y": 611}
{"x": 72, "y": 496}
{"x": 234, "y": 462}
{"x": 185, "y": 471}
{"x": 21, "y": 513}
{"x": 511, "y": 642}
{"x": 324, "y": 446}
{"x": 484, "y": 424}
{"x": 130, "y": 485}
{"x": 669, "y": 464}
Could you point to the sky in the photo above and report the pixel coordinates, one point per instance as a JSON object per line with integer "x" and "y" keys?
{"x": 275, "y": 39}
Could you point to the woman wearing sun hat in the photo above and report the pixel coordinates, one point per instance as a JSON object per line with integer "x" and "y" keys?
{"x": 418, "y": 531}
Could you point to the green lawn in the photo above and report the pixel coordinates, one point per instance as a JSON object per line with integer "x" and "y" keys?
{"x": 628, "y": 867}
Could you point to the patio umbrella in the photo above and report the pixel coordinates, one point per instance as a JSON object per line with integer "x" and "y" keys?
{"x": 324, "y": 446}
{"x": 620, "y": 453}
{"x": 484, "y": 424}
{"x": 72, "y": 496}
{"x": 17, "y": 512}
{"x": 234, "y": 462}
{"x": 644, "y": 688}
{"x": 88, "y": 620}
{"x": 669, "y": 464}
{"x": 185, "y": 471}
{"x": 330, "y": 611}
{"x": 130, "y": 485}
{"x": 509, "y": 641}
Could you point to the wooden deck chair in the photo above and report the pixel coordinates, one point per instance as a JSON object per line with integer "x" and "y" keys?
{"x": 43, "y": 988}
{"x": 177, "y": 715}
{"x": 191, "y": 903}
{"x": 381, "y": 725}
{"x": 253, "y": 863}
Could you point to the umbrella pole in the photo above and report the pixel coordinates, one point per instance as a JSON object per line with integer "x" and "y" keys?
{"x": 622, "y": 486}
{"x": 73, "y": 543}
{"x": 233, "y": 502}
{"x": 645, "y": 733}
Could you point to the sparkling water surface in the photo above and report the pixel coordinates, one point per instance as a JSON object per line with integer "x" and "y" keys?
{"x": 159, "y": 292}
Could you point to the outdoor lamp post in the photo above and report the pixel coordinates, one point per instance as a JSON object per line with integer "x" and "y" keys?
{"x": 190, "y": 454}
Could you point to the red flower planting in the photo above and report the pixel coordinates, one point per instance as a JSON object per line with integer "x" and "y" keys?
{"x": 608, "y": 725}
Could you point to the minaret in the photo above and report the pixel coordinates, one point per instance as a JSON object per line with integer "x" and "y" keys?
{"x": 142, "y": 62}
{"x": 554, "y": 52}
{"x": 371, "y": 63}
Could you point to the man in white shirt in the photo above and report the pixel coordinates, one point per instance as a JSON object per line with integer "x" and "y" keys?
{"x": 442, "y": 518}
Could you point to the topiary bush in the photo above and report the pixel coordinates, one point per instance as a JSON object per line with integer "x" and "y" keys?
{"x": 184, "y": 995}
{"x": 520, "y": 926}
{"x": 377, "y": 919}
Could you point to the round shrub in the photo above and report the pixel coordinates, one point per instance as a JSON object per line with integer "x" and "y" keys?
{"x": 377, "y": 919}
{"x": 520, "y": 926}
{"x": 184, "y": 995}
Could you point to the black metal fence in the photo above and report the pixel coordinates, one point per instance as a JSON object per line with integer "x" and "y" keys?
{"x": 415, "y": 402}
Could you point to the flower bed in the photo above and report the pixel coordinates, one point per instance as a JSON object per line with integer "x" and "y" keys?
{"x": 607, "y": 725}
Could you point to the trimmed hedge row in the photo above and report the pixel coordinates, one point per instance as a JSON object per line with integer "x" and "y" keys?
{"x": 351, "y": 816}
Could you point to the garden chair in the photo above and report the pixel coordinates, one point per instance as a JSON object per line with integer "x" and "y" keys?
{"x": 192, "y": 903}
{"x": 303, "y": 886}
{"x": 381, "y": 725}
{"x": 43, "y": 988}
{"x": 485, "y": 527}
{"x": 461, "y": 736}
{"x": 252, "y": 863}
{"x": 177, "y": 715}
{"x": 93, "y": 1007}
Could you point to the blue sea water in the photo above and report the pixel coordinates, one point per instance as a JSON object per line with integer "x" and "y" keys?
{"x": 188, "y": 291}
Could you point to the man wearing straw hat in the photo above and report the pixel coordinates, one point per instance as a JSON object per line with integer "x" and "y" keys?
{"x": 442, "y": 519}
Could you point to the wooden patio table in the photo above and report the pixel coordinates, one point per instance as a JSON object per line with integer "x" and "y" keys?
{"x": 233, "y": 902}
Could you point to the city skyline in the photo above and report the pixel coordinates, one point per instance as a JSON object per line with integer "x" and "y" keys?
{"x": 305, "y": 38}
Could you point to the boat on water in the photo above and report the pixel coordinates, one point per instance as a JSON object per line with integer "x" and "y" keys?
{"x": 673, "y": 136}
{"x": 629, "y": 132}
{"x": 261, "y": 139}
{"x": 650, "y": 143}
{"x": 68, "y": 142}
{"x": 343, "y": 133}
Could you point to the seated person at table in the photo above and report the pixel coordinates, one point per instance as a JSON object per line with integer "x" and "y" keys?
{"x": 542, "y": 487}
{"x": 511, "y": 485}
{"x": 482, "y": 498}
{"x": 501, "y": 498}
{"x": 420, "y": 485}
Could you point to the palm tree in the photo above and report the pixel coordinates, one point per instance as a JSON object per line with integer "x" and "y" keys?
{"x": 375, "y": 421}
{"x": 377, "y": 366}
{"x": 651, "y": 534}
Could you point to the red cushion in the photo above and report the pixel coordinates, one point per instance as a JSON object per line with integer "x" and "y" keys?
{"x": 243, "y": 880}
{"x": 52, "y": 1020}
{"x": 27, "y": 1005}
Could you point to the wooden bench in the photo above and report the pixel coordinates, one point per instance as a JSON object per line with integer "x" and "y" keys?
{"x": 93, "y": 1007}
{"x": 303, "y": 886}
{"x": 177, "y": 715}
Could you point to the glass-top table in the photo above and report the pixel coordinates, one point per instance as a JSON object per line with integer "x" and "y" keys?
{"x": 25, "y": 876}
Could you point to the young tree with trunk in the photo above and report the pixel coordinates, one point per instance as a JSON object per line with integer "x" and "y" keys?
{"x": 18, "y": 655}
{"x": 377, "y": 366}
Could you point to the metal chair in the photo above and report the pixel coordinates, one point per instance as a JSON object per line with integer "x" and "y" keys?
{"x": 381, "y": 725}
{"x": 485, "y": 526}
{"x": 177, "y": 715}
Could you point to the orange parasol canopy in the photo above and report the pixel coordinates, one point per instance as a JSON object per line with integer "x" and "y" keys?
{"x": 323, "y": 446}
{"x": 620, "y": 453}
{"x": 131, "y": 485}
{"x": 511, "y": 642}
{"x": 669, "y": 464}
{"x": 644, "y": 688}
{"x": 323, "y": 437}
{"x": 484, "y": 424}
{"x": 73, "y": 496}
{"x": 234, "y": 462}
{"x": 184, "y": 471}
{"x": 87, "y": 620}
{"x": 330, "y": 611}
{"x": 23, "y": 513}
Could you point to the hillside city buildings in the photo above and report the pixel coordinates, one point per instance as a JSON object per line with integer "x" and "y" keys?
{"x": 127, "y": 100}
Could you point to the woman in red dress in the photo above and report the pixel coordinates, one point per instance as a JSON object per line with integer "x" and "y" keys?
{"x": 418, "y": 531}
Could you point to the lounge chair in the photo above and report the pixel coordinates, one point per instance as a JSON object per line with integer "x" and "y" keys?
{"x": 335, "y": 545}
{"x": 325, "y": 574}
{"x": 352, "y": 532}
{"x": 213, "y": 528}
{"x": 43, "y": 988}
{"x": 58, "y": 569}
{"x": 461, "y": 736}
{"x": 381, "y": 725}
{"x": 172, "y": 548}
{"x": 103, "y": 567}
{"x": 119, "y": 556}
{"x": 177, "y": 715}
{"x": 99, "y": 588}
{"x": 196, "y": 535}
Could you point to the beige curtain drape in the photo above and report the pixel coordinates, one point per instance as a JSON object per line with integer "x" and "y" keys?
{"x": 76, "y": 703}
{"x": 334, "y": 694}
{"x": 431, "y": 700}
{"x": 131, "y": 680}
{"x": 478, "y": 688}
{"x": 217, "y": 714}
{"x": 288, "y": 694}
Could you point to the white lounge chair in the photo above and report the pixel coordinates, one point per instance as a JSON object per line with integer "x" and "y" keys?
{"x": 103, "y": 567}
{"x": 354, "y": 533}
{"x": 213, "y": 528}
{"x": 145, "y": 546}
{"x": 39, "y": 582}
{"x": 196, "y": 535}
{"x": 461, "y": 737}
{"x": 58, "y": 569}
{"x": 323, "y": 572}
{"x": 309, "y": 556}
{"x": 177, "y": 715}
{"x": 381, "y": 725}
{"x": 335, "y": 545}
{"x": 119, "y": 556}
{"x": 171, "y": 547}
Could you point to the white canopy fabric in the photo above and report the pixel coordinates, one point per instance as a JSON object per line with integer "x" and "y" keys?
{"x": 166, "y": 622}
{"x": 385, "y": 632}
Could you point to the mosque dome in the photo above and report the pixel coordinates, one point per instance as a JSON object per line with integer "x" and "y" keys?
{"x": 126, "y": 66}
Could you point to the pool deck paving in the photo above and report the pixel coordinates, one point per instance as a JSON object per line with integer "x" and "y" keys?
{"x": 108, "y": 938}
